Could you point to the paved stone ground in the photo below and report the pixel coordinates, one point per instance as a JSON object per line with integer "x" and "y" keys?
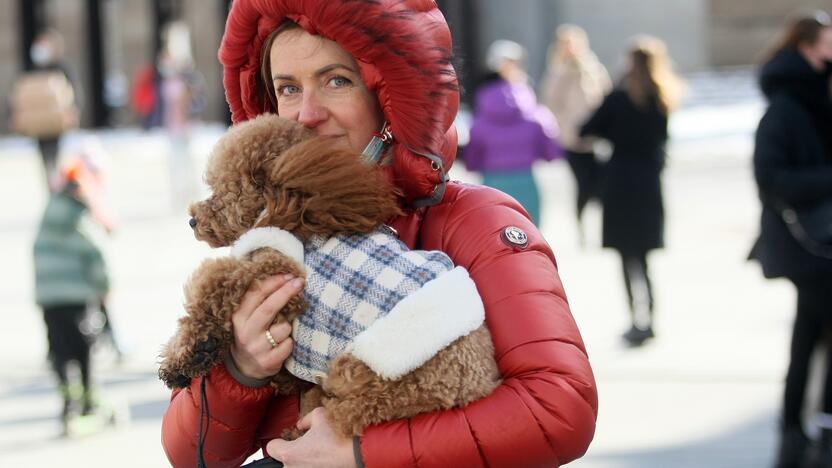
{"x": 705, "y": 393}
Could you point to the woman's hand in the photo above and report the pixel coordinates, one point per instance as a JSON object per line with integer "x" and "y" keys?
{"x": 320, "y": 447}
{"x": 253, "y": 353}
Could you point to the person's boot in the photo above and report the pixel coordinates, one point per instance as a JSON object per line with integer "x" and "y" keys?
{"x": 793, "y": 447}
{"x": 89, "y": 403}
{"x": 636, "y": 336}
{"x": 66, "y": 410}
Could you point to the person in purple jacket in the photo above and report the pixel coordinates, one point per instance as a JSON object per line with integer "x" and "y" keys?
{"x": 510, "y": 130}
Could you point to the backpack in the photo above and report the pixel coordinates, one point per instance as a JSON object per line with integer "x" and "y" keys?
{"x": 43, "y": 104}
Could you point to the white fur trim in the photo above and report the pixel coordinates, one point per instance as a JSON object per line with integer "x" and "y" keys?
{"x": 272, "y": 237}
{"x": 421, "y": 325}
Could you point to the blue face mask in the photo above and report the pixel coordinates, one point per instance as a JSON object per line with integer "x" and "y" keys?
{"x": 40, "y": 54}
{"x": 375, "y": 148}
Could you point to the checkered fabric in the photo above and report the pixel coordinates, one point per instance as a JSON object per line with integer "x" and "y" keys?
{"x": 351, "y": 282}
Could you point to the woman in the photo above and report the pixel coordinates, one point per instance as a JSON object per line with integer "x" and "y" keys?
{"x": 388, "y": 62}
{"x": 634, "y": 119}
{"x": 793, "y": 167}
{"x": 510, "y": 130}
{"x": 573, "y": 87}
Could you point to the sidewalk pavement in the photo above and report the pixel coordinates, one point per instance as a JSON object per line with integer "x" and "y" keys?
{"x": 704, "y": 393}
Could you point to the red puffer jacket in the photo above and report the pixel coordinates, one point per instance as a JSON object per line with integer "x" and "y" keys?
{"x": 544, "y": 412}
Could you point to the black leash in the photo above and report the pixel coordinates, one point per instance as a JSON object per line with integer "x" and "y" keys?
{"x": 201, "y": 436}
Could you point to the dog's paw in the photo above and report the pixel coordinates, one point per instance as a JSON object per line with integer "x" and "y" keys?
{"x": 174, "y": 380}
{"x": 205, "y": 355}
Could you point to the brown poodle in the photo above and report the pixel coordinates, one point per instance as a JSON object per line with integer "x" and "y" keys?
{"x": 267, "y": 173}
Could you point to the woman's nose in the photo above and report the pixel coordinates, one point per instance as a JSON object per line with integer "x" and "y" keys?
{"x": 312, "y": 113}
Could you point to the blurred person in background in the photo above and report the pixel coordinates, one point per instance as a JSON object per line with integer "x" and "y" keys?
{"x": 181, "y": 99}
{"x": 634, "y": 119}
{"x": 378, "y": 78}
{"x": 70, "y": 277}
{"x": 793, "y": 170}
{"x": 510, "y": 130}
{"x": 45, "y": 100}
{"x": 574, "y": 85}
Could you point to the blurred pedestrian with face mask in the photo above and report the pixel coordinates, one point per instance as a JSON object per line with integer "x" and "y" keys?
{"x": 45, "y": 100}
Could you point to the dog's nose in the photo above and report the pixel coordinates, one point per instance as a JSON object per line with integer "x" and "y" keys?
{"x": 192, "y": 222}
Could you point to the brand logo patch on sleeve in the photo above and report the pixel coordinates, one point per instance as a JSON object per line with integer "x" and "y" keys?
{"x": 515, "y": 237}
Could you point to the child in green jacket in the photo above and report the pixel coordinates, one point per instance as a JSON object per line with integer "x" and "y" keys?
{"x": 70, "y": 275}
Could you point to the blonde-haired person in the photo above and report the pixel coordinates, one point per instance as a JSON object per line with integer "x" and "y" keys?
{"x": 574, "y": 85}
{"x": 634, "y": 118}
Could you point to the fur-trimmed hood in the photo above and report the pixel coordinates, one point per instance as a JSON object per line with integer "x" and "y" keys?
{"x": 404, "y": 51}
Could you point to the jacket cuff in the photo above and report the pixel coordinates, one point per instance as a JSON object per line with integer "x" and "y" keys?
{"x": 241, "y": 378}
{"x": 356, "y": 450}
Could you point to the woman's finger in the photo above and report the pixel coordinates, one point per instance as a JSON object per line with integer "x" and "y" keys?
{"x": 255, "y": 296}
{"x": 264, "y": 314}
{"x": 280, "y": 331}
{"x": 281, "y": 352}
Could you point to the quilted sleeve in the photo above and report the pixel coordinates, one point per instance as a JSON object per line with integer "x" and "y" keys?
{"x": 235, "y": 412}
{"x": 544, "y": 412}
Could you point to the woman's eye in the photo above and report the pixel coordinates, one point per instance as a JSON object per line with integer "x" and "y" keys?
{"x": 287, "y": 90}
{"x": 339, "y": 82}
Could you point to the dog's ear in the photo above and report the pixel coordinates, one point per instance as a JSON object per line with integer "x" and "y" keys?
{"x": 244, "y": 155}
{"x": 316, "y": 189}
{"x": 238, "y": 173}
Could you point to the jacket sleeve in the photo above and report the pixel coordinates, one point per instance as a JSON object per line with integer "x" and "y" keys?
{"x": 544, "y": 412}
{"x": 778, "y": 179}
{"x": 549, "y": 147}
{"x": 235, "y": 412}
{"x": 601, "y": 120}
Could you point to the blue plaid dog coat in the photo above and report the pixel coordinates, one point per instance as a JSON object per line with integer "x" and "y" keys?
{"x": 369, "y": 295}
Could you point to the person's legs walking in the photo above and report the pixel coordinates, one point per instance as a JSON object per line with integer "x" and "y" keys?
{"x": 48, "y": 148}
{"x": 640, "y": 296}
{"x": 806, "y": 332}
{"x": 648, "y": 289}
{"x": 56, "y": 327}
{"x": 583, "y": 166}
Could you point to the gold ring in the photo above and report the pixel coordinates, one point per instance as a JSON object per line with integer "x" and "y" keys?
{"x": 271, "y": 339}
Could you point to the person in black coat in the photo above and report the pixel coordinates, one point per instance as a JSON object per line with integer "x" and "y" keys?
{"x": 793, "y": 168}
{"x": 633, "y": 117}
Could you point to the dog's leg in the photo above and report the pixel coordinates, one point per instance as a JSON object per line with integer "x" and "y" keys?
{"x": 211, "y": 295}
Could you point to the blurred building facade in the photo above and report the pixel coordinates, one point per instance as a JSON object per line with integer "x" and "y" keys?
{"x": 700, "y": 34}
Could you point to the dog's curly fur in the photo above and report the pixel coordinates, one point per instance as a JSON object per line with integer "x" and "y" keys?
{"x": 270, "y": 172}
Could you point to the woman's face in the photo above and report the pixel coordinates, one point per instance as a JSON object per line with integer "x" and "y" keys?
{"x": 318, "y": 84}
{"x": 820, "y": 52}
{"x": 824, "y": 44}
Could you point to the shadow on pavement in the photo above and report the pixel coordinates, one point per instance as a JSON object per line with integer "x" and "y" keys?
{"x": 751, "y": 445}
{"x": 148, "y": 410}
